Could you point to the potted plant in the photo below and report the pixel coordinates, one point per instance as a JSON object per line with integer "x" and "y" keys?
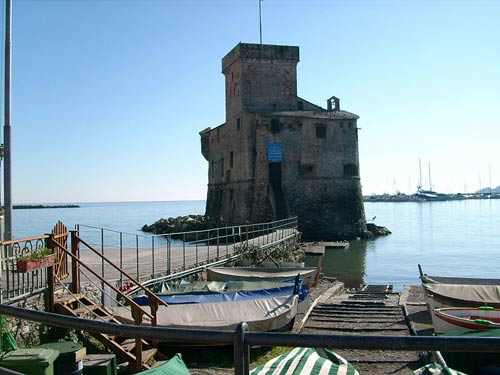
{"x": 40, "y": 258}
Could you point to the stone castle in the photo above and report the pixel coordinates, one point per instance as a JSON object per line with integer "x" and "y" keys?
{"x": 278, "y": 155}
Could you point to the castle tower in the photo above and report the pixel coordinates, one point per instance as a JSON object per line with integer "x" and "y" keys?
{"x": 260, "y": 78}
{"x": 278, "y": 155}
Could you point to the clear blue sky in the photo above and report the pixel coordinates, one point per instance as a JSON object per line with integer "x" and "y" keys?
{"x": 108, "y": 97}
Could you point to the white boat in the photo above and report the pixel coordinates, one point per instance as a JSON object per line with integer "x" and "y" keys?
{"x": 263, "y": 273}
{"x": 450, "y": 319}
{"x": 263, "y": 314}
{"x": 458, "y": 295}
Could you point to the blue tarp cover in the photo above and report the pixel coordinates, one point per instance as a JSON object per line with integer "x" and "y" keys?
{"x": 283, "y": 291}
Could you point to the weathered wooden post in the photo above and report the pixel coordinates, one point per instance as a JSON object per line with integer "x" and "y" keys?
{"x": 75, "y": 251}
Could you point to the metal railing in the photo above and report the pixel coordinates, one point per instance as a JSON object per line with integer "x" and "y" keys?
{"x": 241, "y": 339}
{"x": 145, "y": 257}
{"x": 175, "y": 255}
{"x": 15, "y": 285}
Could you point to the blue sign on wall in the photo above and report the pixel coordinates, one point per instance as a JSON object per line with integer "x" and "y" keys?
{"x": 274, "y": 152}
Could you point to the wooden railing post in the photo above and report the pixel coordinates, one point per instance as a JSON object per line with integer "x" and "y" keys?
{"x": 137, "y": 314}
{"x": 51, "y": 244}
{"x": 153, "y": 303}
{"x": 51, "y": 288}
{"x": 75, "y": 276}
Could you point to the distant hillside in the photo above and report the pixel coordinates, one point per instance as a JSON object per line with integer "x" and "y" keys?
{"x": 487, "y": 190}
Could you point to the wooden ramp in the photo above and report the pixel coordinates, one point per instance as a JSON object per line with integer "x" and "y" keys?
{"x": 371, "y": 310}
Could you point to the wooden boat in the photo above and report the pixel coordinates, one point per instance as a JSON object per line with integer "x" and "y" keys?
{"x": 263, "y": 273}
{"x": 305, "y": 361}
{"x": 219, "y": 291}
{"x": 263, "y": 314}
{"x": 430, "y": 279}
{"x": 451, "y": 295}
{"x": 450, "y": 319}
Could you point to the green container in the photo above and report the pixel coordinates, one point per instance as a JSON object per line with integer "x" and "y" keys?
{"x": 99, "y": 364}
{"x": 70, "y": 357}
{"x": 37, "y": 361}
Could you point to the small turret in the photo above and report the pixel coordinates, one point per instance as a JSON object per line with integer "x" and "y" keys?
{"x": 336, "y": 104}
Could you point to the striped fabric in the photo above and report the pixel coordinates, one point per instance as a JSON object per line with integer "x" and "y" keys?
{"x": 435, "y": 369}
{"x": 306, "y": 361}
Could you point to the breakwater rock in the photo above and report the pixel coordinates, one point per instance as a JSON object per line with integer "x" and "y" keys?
{"x": 376, "y": 230}
{"x": 178, "y": 224}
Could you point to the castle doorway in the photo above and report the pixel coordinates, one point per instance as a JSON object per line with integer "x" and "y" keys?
{"x": 275, "y": 180}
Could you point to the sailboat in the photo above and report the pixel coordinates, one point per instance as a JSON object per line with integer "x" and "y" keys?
{"x": 429, "y": 195}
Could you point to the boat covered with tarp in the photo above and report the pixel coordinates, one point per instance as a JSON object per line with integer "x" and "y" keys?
{"x": 263, "y": 273}
{"x": 456, "y": 295}
{"x": 432, "y": 279}
{"x": 219, "y": 291}
{"x": 175, "y": 299}
{"x": 306, "y": 361}
{"x": 262, "y": 314}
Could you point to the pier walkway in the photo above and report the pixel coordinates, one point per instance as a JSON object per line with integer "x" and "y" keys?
{"x": 118, "y": 256}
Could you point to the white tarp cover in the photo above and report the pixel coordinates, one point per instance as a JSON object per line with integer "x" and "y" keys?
{"x": 261, "y": 273}
{"x": 465, "y": 295}
{"x": 265, "y": 314}
{"x": 459, "y": 280}
{"x": 306, "y": 361}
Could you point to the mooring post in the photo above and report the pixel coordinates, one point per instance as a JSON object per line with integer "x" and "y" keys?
{"x": 241, "y": 350}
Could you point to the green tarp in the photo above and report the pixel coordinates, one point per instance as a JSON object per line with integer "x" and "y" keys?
{"x": 306, "y": 361}
{"x": 174, "y": 366}
{"x": 435, "y": 369}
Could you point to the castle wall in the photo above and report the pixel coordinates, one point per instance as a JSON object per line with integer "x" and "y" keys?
{"x": 318, "y": 176}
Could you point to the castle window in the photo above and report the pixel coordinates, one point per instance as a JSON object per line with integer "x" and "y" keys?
{"x": 320, "y": 131}
{"x": 306, "y": 169}
{"x": 228, "y": 175}
{"x": 350, "y": 125}
{"x": 275, "y": 125}
{"x": 222, "y": 166}
{"x": 231, "y": 159}
{"x": 231, "y": 195}
{"x": 218, "y": 135}
{"x": 238, "y": 124}
{"x": 300, "y": 106}
{"x": 350, "y": 170}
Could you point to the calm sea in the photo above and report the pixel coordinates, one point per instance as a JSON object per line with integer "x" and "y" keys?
{"x": 446, "y": 238}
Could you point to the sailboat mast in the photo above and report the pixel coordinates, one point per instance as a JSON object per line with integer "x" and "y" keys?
{"x": 420, "y": 174}
{"x": 430, "y": 182}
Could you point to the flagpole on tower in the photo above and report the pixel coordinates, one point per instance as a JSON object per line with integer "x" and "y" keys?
{"x": 260, "y": 21}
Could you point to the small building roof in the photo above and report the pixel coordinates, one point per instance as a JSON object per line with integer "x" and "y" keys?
{"x": 330, "y": 115}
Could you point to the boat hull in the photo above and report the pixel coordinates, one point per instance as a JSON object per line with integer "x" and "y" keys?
{"x": 465, "y": 319}
{"x": 264, "y": 314}
{"x": 262, "y": 273}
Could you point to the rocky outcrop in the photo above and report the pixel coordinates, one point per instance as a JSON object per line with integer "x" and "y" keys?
{"x": 376, "y": 230}
{"x": 177, "y": 225}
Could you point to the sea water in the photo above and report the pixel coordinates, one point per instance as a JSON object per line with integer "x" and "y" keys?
{"x": 453, "y": 238}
